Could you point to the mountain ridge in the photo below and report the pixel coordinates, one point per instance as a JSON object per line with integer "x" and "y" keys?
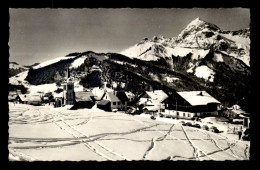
{"x": 162, "y": 63}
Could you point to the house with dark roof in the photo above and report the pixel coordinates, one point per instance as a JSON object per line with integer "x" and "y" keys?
{"x": 104, "y": 105}
{"x": 84, "y": 99}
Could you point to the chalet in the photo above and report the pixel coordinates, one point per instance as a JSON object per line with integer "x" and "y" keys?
{"x": 188, "y": 104}
{"x": 84, "y": 99}
{"x": 123, "y": 98}
{"x": 153, "y": 100}
{"x": 99, "y": 92}
{"x": 113, "y": 100}
{"x": 29, "y": 99}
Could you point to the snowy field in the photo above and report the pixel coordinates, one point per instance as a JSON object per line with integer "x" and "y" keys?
{"x": 44, "y": 133}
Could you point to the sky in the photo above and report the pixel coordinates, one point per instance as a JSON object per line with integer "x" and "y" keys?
{"x": 37, "y": 35}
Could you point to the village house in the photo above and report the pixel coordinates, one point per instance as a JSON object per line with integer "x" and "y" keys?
{"x": 99, "y": 92}
{"x": 23, "y": 98}
{"x": 153, "y": 101}
{"x": 113, "y": 100}
{"x": 29, "y": 99}
{"x": 104, "y": 105}
{"x": 189, "y": 104}
{"x": 123, "y": 99}
{"x": 84, "y": 100}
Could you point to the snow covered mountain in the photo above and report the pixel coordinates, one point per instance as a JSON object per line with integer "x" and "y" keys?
{"x": 198, "y": 38}
{"x": 201, "y": 57}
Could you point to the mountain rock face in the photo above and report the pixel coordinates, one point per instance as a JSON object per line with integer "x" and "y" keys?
{"x": 198, "y": 38}
{"x": 201, "y": 57}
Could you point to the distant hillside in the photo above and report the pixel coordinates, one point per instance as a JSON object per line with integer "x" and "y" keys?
{"x": 30, "y": 66}
{"x": 15, "y": 68}
{"x": 202, "y": 57}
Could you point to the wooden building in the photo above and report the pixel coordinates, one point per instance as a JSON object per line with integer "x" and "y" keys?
{"x": 30, "y": 99}
{"x": 188, "y": 104}
{"x": 153, "y": 100}
{"x": 104, "y": 105}
{"x": 84, "y": 99}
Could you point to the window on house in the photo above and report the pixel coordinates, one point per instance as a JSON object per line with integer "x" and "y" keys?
{"x": 188, "y": 115}
{"x": 118, "y": 103}
{"x": 114, "y": 103}
{"x": 177, "y": 113}
{"x": 162, "y": 110}
{"x": 183, "y": 114}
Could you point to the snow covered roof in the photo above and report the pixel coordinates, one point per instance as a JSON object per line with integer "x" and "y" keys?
{"x": 129, "y": 95}
{"x": 35, "y": 98}
{"x": 99, "y": 92}
{"x": 23, "y": 97}
{"x": 103, "y": 102}
{"x": 55, "y": 95}
{"x": 84, "y": 96}
{"x": 26, "y": 97}
{"x": 113, "y": 97}
{"x": 197, "y": 97}
{"x": 152, "y": 108}
{"x": 157, "y": 95}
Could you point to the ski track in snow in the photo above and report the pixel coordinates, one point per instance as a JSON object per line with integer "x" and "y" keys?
{"x": 224, "y": 150}
{"x": 90, "y": 146}
{"x": 91, "y": 143}
{"x": 21, "y": 156}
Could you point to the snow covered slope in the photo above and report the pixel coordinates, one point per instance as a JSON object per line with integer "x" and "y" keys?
{"x": 197, "y": 38}
{"x": 49, "y": 62}
{"x": 14, "y": 65}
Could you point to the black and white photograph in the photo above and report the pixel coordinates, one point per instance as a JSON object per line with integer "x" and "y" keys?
{"x": 129, "y": 84}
